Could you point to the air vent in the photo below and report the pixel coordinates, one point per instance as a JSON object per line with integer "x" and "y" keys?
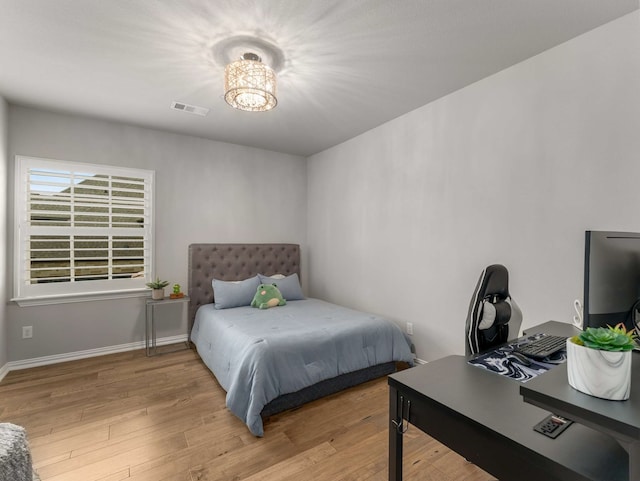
{"x": 192, "y": 109}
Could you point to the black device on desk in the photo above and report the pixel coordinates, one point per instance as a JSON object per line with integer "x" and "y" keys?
{"x": 507, "y": 360}
{"x": 543, "y": 346}
{"x": 611, "y": 279}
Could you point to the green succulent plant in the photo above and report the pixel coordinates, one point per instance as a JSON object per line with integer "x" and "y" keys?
{"x": 608, "y": 338}
{"x": 157, "y": 284}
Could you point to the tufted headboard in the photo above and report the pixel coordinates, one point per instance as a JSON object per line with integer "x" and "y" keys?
{"x": 234, "y": 262}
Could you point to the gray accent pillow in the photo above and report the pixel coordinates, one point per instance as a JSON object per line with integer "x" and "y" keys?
{"x": 288, "y": 286}
{"x": 235, "y": 293}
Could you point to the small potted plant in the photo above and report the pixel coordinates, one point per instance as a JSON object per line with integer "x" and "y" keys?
{"x": 177, "y": 293}
{"x": 157, "y": 287}
{"x": 599, "y": 361}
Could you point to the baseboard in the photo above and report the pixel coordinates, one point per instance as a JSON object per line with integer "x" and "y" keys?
{"x": 3, "y": 371}
{"x": 74, "y": 356}
{"x": 101, "y": 351}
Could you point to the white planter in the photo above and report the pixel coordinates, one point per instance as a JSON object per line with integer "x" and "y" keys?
{"x": 602, "y": 374}
{"x": 157, "y": 294}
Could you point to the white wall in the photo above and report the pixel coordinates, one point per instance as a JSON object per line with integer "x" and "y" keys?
{"x": 3, "y": 235}
{"x": 206, "y": 191}
{"x": 511, "y": 170}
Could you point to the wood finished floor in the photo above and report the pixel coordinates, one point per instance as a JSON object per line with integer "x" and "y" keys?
{"x": 129, "y": 417}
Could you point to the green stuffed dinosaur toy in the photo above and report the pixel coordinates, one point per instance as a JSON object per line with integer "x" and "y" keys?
{"x": 267, "y": 295}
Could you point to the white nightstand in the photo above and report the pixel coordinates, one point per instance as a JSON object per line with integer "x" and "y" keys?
{"x": 150, "y": 330}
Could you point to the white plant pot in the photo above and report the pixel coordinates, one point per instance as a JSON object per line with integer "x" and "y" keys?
{"x": 602, "y": 374}
{"x": 157, "y": 294}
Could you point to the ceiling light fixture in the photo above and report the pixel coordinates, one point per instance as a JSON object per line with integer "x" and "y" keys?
{"x": 250, "y": 85}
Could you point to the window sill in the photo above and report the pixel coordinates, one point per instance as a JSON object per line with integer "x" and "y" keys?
{"x": 80, "y": 297}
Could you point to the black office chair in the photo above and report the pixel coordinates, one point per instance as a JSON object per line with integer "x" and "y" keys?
{"x": 493, "y": 316}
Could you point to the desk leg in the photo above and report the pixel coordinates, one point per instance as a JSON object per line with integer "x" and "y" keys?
{"x": 633, "y": 449}
{"x": 395, "y": 438}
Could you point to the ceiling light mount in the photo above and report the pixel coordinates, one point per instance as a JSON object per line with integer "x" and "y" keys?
{"x": 229, "y": 49}
{"x": 251, "y": 56}
{"x": 249, "y": 84}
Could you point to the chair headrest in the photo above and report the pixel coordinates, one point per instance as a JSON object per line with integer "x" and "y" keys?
{"x": 496, "y": 282}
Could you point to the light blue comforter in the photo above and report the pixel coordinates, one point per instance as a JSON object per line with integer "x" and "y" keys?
{"x": 260, "y": 354}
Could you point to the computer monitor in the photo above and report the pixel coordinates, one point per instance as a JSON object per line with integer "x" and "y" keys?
{"x": 611, "y": 279}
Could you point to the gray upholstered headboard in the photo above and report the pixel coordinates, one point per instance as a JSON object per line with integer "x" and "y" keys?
{"x": 233, "y": 262}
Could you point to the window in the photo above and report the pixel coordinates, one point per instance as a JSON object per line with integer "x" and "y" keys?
{"x": 81, "y": 229}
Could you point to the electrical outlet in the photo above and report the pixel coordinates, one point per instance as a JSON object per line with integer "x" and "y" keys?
{"x": 410, "y": 328}
{"x": 27, "y": 332}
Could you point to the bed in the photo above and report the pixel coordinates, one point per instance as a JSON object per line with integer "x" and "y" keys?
{"x": 271, "y": 360}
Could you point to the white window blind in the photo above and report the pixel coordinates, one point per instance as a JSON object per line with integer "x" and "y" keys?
{"x": 81, "y": 228}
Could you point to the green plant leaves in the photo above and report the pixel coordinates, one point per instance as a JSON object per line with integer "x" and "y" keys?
{"x": 157, "y": 284}
{"x": 608, "y": 338}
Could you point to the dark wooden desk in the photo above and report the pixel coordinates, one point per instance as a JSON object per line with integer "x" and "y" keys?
{"x": 619, "y": 419}
{"x": 481, "y": 415}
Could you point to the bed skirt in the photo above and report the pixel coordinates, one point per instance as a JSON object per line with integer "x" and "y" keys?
{"x": 326, "y": 387}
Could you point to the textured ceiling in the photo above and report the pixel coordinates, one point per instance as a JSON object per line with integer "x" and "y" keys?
{"x": 347, "y": 66}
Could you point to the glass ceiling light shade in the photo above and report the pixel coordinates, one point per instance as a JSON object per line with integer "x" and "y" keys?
{"x": 250, "y": 85}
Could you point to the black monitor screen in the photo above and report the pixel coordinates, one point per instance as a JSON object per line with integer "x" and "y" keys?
{"x": 611, "y": 278}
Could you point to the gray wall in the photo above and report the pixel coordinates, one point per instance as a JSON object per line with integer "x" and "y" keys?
{"x": 3, "y": 234}
{"x": 206, "y": 191}
{"x": 400, "y": 220}
{"x": 511, "y": 170}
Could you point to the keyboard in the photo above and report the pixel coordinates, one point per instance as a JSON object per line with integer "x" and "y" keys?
{"x": 543, "y": 347}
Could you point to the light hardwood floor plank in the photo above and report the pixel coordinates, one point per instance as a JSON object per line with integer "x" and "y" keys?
{"x": 127, "y": 417}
